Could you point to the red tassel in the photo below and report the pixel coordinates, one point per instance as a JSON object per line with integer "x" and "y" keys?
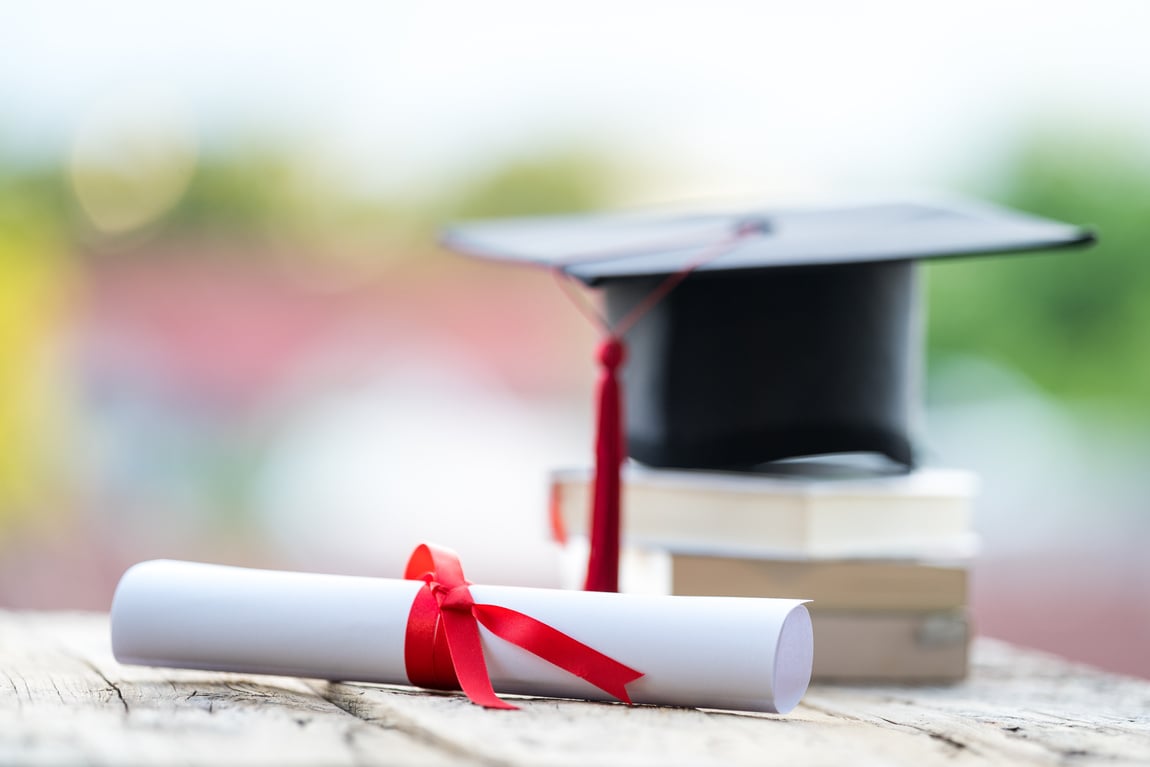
{"x": 611, "y": 440}
{"x": 610, "y": 451}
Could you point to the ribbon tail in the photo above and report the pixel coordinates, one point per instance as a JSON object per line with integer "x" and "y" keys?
{"x": 603, "y": 562}
{"x": 559, "y": 649}
{"x": 467, "y": 657}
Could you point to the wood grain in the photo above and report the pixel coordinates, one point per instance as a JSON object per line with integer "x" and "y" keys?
{"x": 65, "y": 701}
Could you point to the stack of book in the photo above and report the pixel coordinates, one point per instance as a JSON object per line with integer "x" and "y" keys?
{"x": 884, "y": 558}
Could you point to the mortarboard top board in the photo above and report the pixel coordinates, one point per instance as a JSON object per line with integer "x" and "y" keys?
{"x": 802, "y": 338}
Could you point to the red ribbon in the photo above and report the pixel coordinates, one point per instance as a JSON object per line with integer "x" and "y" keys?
{"x": 443, "y": 649}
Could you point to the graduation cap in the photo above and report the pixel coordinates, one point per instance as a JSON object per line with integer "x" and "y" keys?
{"x": 759, "y": 335}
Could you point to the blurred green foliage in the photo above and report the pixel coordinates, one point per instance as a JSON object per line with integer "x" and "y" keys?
{"x": 33, "y": 197}
{"x": 237, "y": 194}
{"x": 565, "y": 181}
{"x": 259, "y": 191}
{"x": 1077, "y": 323}
{"x": 241, "y": 192}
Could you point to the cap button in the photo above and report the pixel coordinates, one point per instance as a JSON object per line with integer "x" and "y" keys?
{"x": 611, "y": 353}
{"x": 748, "y": 225}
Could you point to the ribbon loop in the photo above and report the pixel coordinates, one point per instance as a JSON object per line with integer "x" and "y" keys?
{"x": 443, "y": 648}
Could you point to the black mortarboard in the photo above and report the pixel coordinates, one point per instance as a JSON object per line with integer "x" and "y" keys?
{"x": 801, "y": 338}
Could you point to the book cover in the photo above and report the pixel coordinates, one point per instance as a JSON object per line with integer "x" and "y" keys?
{"x": 921, "y": 514}
{"x": 911, "y": 647}
{"x": 859, "y": 584}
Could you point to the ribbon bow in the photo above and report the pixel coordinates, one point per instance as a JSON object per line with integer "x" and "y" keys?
{"x": 443, "y": 650}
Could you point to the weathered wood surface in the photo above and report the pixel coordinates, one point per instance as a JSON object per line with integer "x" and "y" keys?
{"x": 65, "y": 701}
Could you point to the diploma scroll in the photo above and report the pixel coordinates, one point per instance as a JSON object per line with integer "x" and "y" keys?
{"x": 715, "y": 652}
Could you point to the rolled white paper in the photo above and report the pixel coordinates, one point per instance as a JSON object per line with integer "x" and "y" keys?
{"x": 714, "y": 652}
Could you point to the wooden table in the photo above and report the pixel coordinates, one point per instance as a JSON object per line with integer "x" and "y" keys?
{"x": 65, "y": 701}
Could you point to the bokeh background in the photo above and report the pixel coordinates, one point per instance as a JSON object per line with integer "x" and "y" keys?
{"x": 226, "y": 331}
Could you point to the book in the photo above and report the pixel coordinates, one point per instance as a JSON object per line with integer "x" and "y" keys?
{"x": 908, "y": 647}
{"x": 860, "y": 584}
{"x": 921, "y": 514}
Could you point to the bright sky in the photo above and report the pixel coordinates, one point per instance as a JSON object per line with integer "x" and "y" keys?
{"x": 715, "y": 97}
